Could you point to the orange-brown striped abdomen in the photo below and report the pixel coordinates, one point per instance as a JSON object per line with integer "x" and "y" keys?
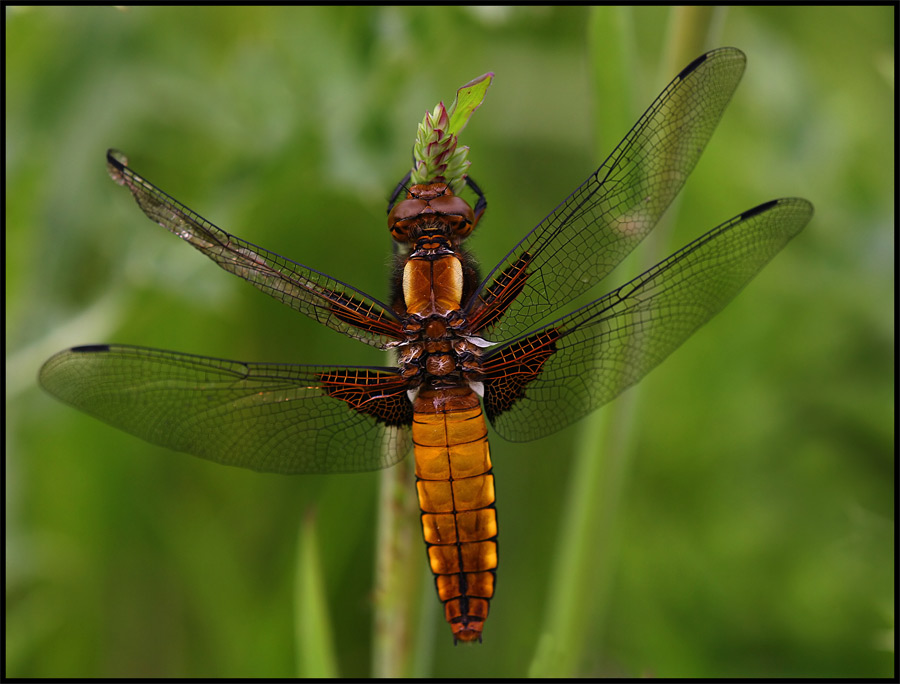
{"x": 456, "y": 495}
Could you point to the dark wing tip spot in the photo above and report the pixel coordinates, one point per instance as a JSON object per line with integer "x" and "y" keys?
{"x": 765, "y": 206}
{"x": 116, "y": 158}
{"x": 91, "y": 348}
{"x": 116, "y": 163}
{"x": 693, "y": 65}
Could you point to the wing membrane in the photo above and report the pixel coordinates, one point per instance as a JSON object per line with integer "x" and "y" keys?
{"x": 323, "y": 298}
{"x": 544, "y": 381}
{"x": 596, "y": 227}
{"x": 268, "y": 417}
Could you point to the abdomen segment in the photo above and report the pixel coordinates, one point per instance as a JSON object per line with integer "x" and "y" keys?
{"x": 456, "y": 494}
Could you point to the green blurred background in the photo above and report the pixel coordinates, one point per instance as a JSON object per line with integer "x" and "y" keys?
{"x": 747, "y": 531}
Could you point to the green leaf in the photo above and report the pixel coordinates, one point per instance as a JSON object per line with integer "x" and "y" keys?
{"x": 315, "y": 643}
{"x": 468, "y": 98}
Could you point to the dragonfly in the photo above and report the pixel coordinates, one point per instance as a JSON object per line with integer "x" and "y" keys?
{"x": 469, "y": 349}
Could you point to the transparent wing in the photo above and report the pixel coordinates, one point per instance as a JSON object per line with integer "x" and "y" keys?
{"x": 590, "y": 233}
{"x": 550, "y": 378}
{"x": 323, "y": 298}
{"x": 269, "y": 417}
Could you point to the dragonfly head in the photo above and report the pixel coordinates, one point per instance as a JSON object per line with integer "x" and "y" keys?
{"x": 428, "y": 211}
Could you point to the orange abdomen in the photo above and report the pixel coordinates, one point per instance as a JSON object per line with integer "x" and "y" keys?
{"x": 456, "y": 495}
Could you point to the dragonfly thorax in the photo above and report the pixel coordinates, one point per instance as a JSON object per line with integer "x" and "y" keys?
{"x": 437, "y": 348}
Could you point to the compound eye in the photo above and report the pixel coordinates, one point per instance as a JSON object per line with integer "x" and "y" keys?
{"x": 399, "y": 218}
{"x": 458, "y": 212}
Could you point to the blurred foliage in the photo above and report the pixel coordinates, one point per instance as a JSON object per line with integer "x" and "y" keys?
{"x": 753, "y": 527}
